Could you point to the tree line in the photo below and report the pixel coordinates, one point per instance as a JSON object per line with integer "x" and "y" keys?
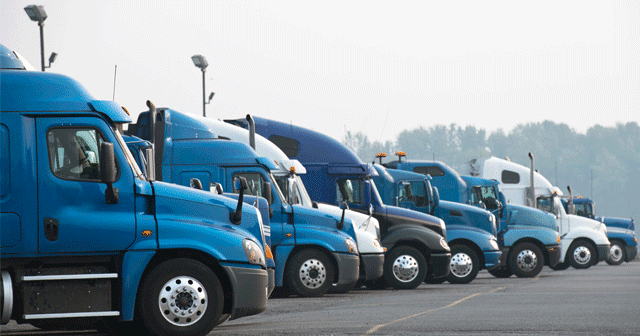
{"x": 603, "y": 164}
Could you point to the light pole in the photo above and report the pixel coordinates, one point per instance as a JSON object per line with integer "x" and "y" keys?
{"x": 202, "y": 63}
{"x": 37, "y": 13}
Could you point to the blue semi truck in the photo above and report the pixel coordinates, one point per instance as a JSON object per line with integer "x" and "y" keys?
{"x": 312, "y": 249}
{"x": 415, "y": 242}
{"x": 528, "y": 237}
{"x": 87, "y": 238}
{"x": 471, "y": 231}
{"x": 621, "y": 232}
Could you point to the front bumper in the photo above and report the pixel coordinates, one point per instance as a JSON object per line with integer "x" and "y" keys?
{"x": 554, "y": 252}
{"x": 348, "y": 268}
{"x": 632, "y": 251}
{"x": 439, "y": 265}
{"x": 492, "y": 259}
{"x": 504, "y": 256}
{"x": 372, "y": 266}
{"x": 271, "y": 284}
{"x": 250, "y": 290}
{"x": 603, "y": 252}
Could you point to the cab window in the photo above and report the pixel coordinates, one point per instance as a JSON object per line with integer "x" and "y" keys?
{"x": 74, "y": 153}
{"x": 349, "y": 190}
{"x": 414, "y": 191}
{"x": 255, "y": 182}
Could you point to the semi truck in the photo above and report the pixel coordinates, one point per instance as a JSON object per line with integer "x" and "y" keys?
{"x": 312, "y": 250}
{"x": 88, "y": 239}
{"x": 528, "y": 237}
{"x": 621, "y": 232}
{"x": 416, "y": 242}
{"x": 584, "y": 240}
{"x": 471, "y": 231}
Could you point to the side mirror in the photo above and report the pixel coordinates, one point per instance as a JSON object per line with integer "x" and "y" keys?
{"x": 371, "y": 209}
{"x": 239, "y": 183}
{"x": 344, "y": 206}
{"x": 195, "y": 183}
{"x": 108, "y": 172}
{"x": 216, "y": 188}
{"x": 436, "y": 198}
{"x": 266, "y": 192}
{"x": 150, "y": 164}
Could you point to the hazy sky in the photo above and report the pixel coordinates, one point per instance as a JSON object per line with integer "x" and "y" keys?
{"x": 373, "y": 66}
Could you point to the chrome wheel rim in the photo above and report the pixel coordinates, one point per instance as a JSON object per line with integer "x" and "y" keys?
{"x": 461, "y": 265}
{"x": 405, "y": 268}
{"x": 616, "y": 253}
{"x": 183, "y": 301}
{"x": 527, "y": 260}
{"x": 582, "y": 255}
{"x": 313, "y": 273}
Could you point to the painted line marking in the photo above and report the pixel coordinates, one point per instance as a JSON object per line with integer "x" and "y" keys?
{"x": 374, "y": 329}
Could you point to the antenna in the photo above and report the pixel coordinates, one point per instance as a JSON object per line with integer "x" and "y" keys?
{"x": 115, "y": 71}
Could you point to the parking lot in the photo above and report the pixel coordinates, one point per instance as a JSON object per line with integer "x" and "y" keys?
{"x": 602, "y": 300}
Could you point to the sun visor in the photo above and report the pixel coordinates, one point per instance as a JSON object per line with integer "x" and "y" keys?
{"x": 113, "y": 110}
{"x": 267, "y": 162}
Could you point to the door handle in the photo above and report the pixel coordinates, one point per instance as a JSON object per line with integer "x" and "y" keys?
{"x": 51, "y": 229}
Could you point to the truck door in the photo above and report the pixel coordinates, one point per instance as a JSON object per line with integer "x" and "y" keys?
{"x": 73, "y": 213}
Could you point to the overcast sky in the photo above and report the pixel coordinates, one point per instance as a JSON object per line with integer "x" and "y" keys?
{"x": 379, "y": 67}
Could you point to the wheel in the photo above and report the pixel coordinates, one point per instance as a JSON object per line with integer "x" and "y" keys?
{"x": 309, "y": 273}
{"x": 560, "y": 266}
{"x": 617, "y": 254}
{"x": 404, "y": 267}
{"x": 526, "y": 260}
{"x": 581, "y": 254}
{"x": 464, "y": 265}
{"x": 180, "y": 297}
{"x": 501, "y": 272}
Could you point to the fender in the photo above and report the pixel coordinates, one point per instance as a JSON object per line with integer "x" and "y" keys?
{"x": 595, "y": 236}
{"x": 515, "y": 233}
{"x": 415, "y": 234}
{"x": 479, "y": 237}
{"x": 620, "y": 234}
{"x": 134, "y": 264}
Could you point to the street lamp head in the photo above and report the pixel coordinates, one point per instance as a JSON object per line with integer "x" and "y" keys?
{"x": 52, "y": 58}
{"x": 36, "y": 13}
{"x": 200, "y": 61}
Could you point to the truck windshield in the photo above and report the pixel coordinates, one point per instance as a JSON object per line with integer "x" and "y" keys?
{"x": 584, "y": 210}
{"x": 485, "y": 194}
{"x": 127, "y": 154}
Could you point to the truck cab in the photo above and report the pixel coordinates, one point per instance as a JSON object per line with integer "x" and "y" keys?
{"x": 527, "y": 237}
{"x": 87, "y": 238}
{"x": 584, "y": 240}
{"x": 620, "y": 231}
{"x": 415, "y": 242}
{"x": 471, "y": 231}
{"x": 312, "y": 250}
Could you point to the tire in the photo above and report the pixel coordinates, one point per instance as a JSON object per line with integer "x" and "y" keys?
{"x": 341, "y": 289}
{"x": 560, "y": 266}
{"x": 501, "y": 272}
{"x": 526, "y": 260}
{"x": 309, "y": 273}
{"x": 581, "y": 254}
{"x": 464, "y": 265}
{"x": 183, "y": 285}
{"x": 404, "y": 267}
{"x": 617, "y": 254}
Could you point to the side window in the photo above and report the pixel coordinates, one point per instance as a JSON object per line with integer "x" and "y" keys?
{"x": 545, "y": 204}
{"x": 412, "y": 192}
{"x": 429, "y": 170}
{"x": 349, "y": 190}
{"x": 74, "y": 153}
{"x": 5, "y": 172}
{"x": 288, "y": 145}
{"x": 254, "y": 180}
{"x": 510, "y": 177}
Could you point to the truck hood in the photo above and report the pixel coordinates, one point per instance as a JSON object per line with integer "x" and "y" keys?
{"x": 586, "y": 222}
{"x": 396, "y": 215}
{"x": 522, "y": 215}
{"x": 467, "y": 215}
{"x": 193, "y": 206}
{"x": 367, "y": 228}
{"x": 623, "y": 223}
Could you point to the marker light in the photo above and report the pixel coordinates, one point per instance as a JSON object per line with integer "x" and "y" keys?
{"x": 401, "y": 153}
{"x": 292, "y": 170}
{"x": 381, "y": 155}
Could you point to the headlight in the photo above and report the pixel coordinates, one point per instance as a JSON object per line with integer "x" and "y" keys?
{"x": 253, "y": 252}
{"x": 351, "y": 245}
{"x": 494, "y": 244}
{"x": 444, "y": 244}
